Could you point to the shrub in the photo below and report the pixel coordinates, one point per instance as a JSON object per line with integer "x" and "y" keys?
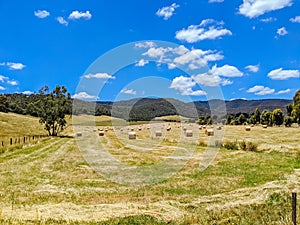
{"x": 243, "y": 145}
{"x": 251, "y": 147}
{"x": 231, "y": 145}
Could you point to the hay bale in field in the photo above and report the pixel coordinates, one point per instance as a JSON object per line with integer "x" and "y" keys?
{"x": 78, "y": 134}
{"x": 209, "y": 132}
{"x": 200, "y": 127}
{"x": 252, "y": 125}
{"x": 184, "y": 129}
{"x": 101, "y": 133}
{"x": 264, "y": 126}
{"x": 158, "y": 133}
{"x": 168, "y": 128}
{"x": 189, "y": 133}
{"x": 247, "y": 128}
{"x": 132, "y": 129}
{"x": 204, "y": 126}
{"x": 219, "y": 128}
{"x": 132, "y": 135}
{"x": 139, "y": 128}
{"x": 106, "y": 129}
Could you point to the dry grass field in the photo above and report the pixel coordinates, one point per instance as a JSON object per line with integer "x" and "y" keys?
{"x": 50, "y": 182}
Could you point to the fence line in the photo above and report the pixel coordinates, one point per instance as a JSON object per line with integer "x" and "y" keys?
{"x": 21, "y": 141}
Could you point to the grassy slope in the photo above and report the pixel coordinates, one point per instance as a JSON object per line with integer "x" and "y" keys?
{"x": 50, "y": 183}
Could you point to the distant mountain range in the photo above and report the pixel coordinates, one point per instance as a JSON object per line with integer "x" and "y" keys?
{"x": 148, "y": 108}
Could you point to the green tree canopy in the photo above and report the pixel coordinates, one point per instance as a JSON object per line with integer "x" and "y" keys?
{"x": 277, "y": 117}
{"x": 52, "y": 108}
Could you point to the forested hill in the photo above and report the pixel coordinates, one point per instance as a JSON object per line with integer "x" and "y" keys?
{"x": 145, "y": 108}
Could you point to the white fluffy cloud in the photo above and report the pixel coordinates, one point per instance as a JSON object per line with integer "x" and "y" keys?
{"x": 75, "y": 15}
{"x": 255, "y": 8}
{"x": 99, "y": 76}
{"x": 261, "y": 90}
{"x": 181, "y": 56}
{"x": 295, "y": 20}
{"x": 226, "y": 71}
{"x": 2, "y": 88}
{"x": 280, "y": 74}
{"x": 167, "y": 12}
{"x": 128, "y": 91}
{"x": 84, "y": 96}
{"x": 282, "y": 31}
{"x": 142, "y": 62}
{"x": 283, "y": 92}
{"x": 184, "y": 85}
{"x": 215, "y": 76}
{"x": 14, "y": 66}
{"x": 62, "y": 21}
{"x": 27, "y": 92}
{"x": 12, "y": 82}
{"x": 195, "y": 33}
{"x": 41, "y": 14}
{"x": 253, "y": 68}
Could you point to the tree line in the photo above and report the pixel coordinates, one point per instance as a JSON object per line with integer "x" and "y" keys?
{"x": 53, "y": 106}
{"x": 276, "y": 117}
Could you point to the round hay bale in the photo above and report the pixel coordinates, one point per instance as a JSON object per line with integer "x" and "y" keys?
{"x": 200, "y": 127}
{"x": 132, "y": 135}
{"x": 204, "y": 126}
{"x": 210, "y": 132}
{"x": 189, "y": 133}
{"x": 158, "y": 133}
{"x": 247, "y": 128}
{"x": 219, "y": 128}
{"x": 168, "y": 128}
{"x": 264, "y": 126}
{"x": 101, "y": 133}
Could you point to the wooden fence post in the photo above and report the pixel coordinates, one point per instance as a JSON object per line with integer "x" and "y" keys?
{"x": 294, "y": 206}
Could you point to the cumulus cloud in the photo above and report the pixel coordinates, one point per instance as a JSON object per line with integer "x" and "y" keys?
{"x": 184, "y": 85}
{"x": 253, "y": 68}
{"x": 295, "y": 20}
{"x": 283, "y": 92}
{"x": 255, "y": 8}
{"x": 167, "y": 12}
{"x": 98, "y": 76}
{"x": 15, "y": 66}
{"x": 27, "y": 92}
{"x": 62, "y": 21}
{"x": 75, "y": 15}
{"x": 215, "y": 76}
{"x": 2, "y": 88}
{"x": 12, "y": 82}
{"x": 261, "y": 90}
{"x": 145, "y": 44}
{"x": 195, "y": 33}
{"x": 41, "y": 14}
{"x": 226, "y": 71}
{"x": 142, "y": 62}
{"x": 181, "y": 56}
{"x": 128, "y": 91}
{"x": 84, "y": 96}
{"x": 280, "y": 74}
{"x": 269, "y": 20}
{"x": 282, "y": 31}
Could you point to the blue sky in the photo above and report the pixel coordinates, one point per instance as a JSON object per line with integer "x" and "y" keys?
{"x": 189, "y": 50}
